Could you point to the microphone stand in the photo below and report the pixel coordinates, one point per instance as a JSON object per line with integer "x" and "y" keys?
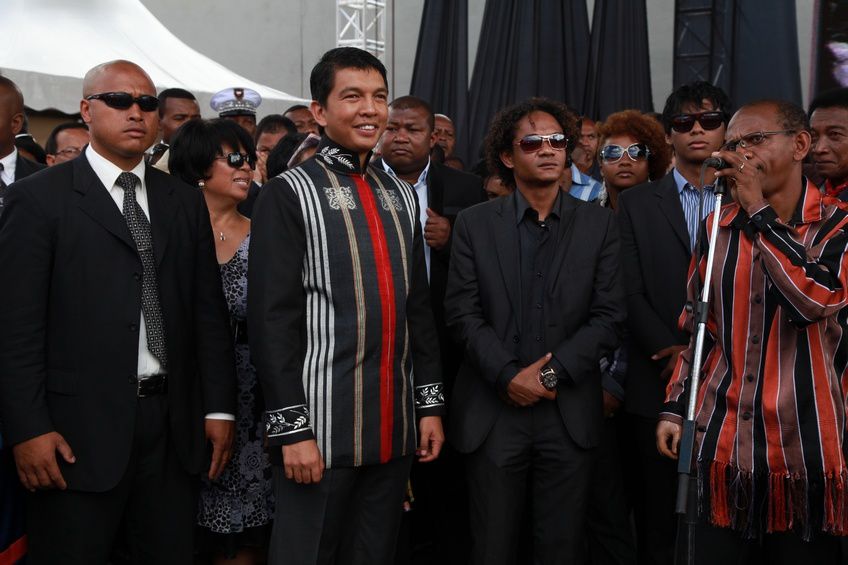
{"x": 686, "y": 505}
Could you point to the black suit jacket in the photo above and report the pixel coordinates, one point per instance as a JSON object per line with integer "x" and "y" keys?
{"x": 482, "y": 305}
{"x": 655, "y": 255}
{"x": 24, "y": 167}
{"x": 71, "y": 307}
{"x": 448, "y": 193}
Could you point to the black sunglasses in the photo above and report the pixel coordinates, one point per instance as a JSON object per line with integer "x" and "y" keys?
{"x": 683, "y": 123}
{"x": 125, "y": 100}
{"x": 236, "y": 160}
{"x": 614, "y": 153}
{"x": 533, "y": 143}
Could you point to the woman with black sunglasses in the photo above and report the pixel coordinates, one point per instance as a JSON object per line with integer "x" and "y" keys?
{"x": 218, "y": 156}
{"x": 633, "y": 151}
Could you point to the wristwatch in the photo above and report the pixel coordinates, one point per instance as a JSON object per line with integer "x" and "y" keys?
{"x": 548, "y": 377}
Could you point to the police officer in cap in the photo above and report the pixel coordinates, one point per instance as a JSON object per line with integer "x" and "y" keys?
{"x": 239, "y": 105}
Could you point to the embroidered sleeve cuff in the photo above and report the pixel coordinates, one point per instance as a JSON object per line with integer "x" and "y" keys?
{"x": 288, "y": 425}
{"x": 764, "y": 218}
{"x": 430, "y": 400}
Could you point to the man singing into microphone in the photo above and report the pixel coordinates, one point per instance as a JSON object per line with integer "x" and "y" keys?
{"x": 771, "y": 409}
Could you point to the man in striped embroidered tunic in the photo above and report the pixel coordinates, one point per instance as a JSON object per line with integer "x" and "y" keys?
{"x": 341, "y": 330}
{"x": 771, "y": 407}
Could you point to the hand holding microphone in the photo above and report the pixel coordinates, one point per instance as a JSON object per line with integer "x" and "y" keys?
{"x": 743, "y": 174}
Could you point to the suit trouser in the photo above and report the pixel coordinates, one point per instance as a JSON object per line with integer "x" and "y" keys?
{"x": 156, "y": 498}
{"x": 351, "y": 517}
{"x": 528, "y": 445}
{"x": 608, "y": 529}
{"x": 651, "y": 481}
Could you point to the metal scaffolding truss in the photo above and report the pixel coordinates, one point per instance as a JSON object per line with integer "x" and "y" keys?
{"x": 362, "y": 23}
{"x": 703, "y": 33}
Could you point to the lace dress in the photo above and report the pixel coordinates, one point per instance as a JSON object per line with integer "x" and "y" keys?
{"x": 242, "y": 497}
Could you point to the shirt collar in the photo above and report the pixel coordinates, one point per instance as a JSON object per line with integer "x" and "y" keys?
{"x": 682, "y": 183}
{"x": 522, "y": 205}
{"x": 10, "y": 162}
{"x": 577, "y": 177}
{"x": 339, "y": 159}
{"x": 107, "y": 171}
{"x": 422, "y": 178}
{"x": 834, "y": 191}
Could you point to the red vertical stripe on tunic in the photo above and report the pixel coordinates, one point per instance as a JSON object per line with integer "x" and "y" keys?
{"x": 386, "y": 286}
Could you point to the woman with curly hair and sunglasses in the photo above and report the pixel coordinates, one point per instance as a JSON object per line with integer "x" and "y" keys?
{"x": 633, "y": 150}
{"x": 235, "y": 512}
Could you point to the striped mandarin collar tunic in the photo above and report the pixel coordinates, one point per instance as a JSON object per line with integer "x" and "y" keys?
{"x": 341, "y": 329}
{"x": 771, "y": 405}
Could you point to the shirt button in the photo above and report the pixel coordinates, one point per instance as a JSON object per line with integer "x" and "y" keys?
{"x": 702, "y": 428}
{"x": 538, "y": 338}
{"x": 746, "y": 415}
{"x": 539, "y": 274}
{"x": 689, "y": 307}
{"x": 515, "y": 339}
{"x": 137, "y": 276}
{"x": 755, "y": 339}
{"x": 133, "y": 327}
{"x": 757, "y": 217}
{"x": 131, "y": 378}
{"x": 538, "y": 305}
{"x": 749, "y": 377}
{"x": 758, "y": 299}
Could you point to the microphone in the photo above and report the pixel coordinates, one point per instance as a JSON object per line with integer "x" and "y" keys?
{"x": 717, "y": 163}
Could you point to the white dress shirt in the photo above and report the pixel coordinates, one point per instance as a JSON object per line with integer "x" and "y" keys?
{"x": 420, "y": 187}
{"x": 108, "y": 173}
{"x": 9, "y": 162}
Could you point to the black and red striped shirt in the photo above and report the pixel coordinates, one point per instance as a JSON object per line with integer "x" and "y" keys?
{"x": 771, "y": 406}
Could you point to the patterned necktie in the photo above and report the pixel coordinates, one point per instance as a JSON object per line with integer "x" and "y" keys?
{"x": 2, "y": 188}
{"x": 140, "y": 229}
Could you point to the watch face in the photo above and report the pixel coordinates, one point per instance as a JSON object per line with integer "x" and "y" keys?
{"x": 548, "y": 379}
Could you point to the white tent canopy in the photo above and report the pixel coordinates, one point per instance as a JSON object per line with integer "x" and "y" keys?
{"x": 48, "y": 45}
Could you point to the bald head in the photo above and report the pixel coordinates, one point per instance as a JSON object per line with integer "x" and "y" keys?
{"x": 11, "y": 114}
{"x": 94, "y": 78}
{"x": 119, "y": 132}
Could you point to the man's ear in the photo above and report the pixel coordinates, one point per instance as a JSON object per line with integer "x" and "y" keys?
{"x": 506, "y": 159}
{"x": 17, "y": 123}
{"x": 85, "y": 111}
{"x": 433, "y": 139}
{"x": 318, "y": 113}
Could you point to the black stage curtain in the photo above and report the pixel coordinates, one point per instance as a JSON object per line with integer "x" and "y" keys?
{"x": 765, "y": 52}
{"x": 527, "y": 48}
{"x": 440, "y": 75}
{"x": 619, "y": 75}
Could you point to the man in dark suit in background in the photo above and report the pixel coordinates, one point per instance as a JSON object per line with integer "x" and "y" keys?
{"x": 535, "y": 294}
{"x": 659, "y": 226}
{"x": 13, "y": 167}
{"x": 440, "y": 517}
{"x": 114, "y": 340}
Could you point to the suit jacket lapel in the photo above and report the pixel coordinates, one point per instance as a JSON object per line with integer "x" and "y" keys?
{"x": 566, "y": 221}
{"x": 670, "y": 205}
{"x": 506, "y": 245}
{"x": 163, "y": 206}
{"x": 98, "y": 204}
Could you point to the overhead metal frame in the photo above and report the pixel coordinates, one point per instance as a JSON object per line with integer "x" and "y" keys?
{"x": 703, "y": 41}
{"x": 362, "y": 24}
